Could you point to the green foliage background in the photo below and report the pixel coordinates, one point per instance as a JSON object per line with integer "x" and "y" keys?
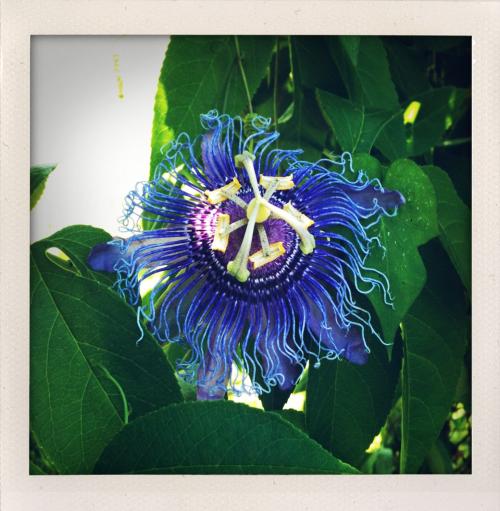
{"x": 401, "y": 105}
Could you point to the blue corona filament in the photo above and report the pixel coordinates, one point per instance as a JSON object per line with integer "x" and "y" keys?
{"x": 256, "y": 255}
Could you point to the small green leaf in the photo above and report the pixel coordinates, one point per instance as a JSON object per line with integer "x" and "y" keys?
{"x": 38, "y": 177}
{"x": 347, "y": 404}
{"x": 88, "y": 376}
{"x": 435, "y": 334}
{"x": 401, "y": 235}
{"x": 218, "y": 437}
{"x": 454, "y": 220}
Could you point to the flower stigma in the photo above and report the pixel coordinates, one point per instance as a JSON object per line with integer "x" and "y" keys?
{"x": 258, "y": 211}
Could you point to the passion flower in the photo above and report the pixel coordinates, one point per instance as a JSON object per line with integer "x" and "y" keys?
{"x": 256, "y": 255}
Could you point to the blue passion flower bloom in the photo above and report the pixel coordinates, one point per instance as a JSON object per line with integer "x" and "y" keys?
{"x": 257, "y": 255}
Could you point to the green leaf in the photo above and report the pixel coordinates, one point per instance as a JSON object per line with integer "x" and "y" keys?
{"x": 364, "y": 67}
{"x": 365, "y": 71}
{"x": 87, "y": 374}
{"x": 438, "y": 111}
{"x": 369, "y": 165}
{"x": 438, "y": 459}
{"x": 202, "y": 73}
{"x": 75, "y": 242}
{"x": 391, "y": 141}
{"x": 306, "y": 129}
{"x": 38, "y": 177}
{"x": 434, "y": 332}
{"x": 454, "y": 220}
{"x": 218, "y": 437}
{"x": 355, "y": 128}
{"x": 161, "y": 133}
{"x": 198, "y": 74}
{"x": 379, "y": 462}
{"x": 35, "y": 470}
{"x": 347, "y": 404}
{"x": 317, "y": 69}
{"x": 408, "y": 68}
{"x": 401, "y": 235}
{"x": 295, "y": 417}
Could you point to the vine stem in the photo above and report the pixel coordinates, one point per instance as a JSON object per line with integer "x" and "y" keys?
{"x": 275, "y": 89}
{"x": 243, "y": 75}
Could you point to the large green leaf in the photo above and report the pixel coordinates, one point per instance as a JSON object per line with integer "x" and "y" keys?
{"x": 435, "y": 333}
{"x": 38, "y": 177}
{"x": 401, "y": 235}
{"x": 202, "y": 72}
{"x": 347, "y": 404}
{"x": 87, "y": 374}
{"x": 454, "y": 223}
{"x": 217, "y": 437}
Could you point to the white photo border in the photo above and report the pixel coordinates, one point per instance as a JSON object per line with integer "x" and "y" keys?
{"x": 23, "y": 18}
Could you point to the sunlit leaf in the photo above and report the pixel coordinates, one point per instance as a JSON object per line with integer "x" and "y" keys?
{"x": 202, "y": 73}
{"x": 88, "y": 375}
{"x": 75, "y": 242}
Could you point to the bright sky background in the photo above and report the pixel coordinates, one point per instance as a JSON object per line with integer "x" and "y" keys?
{"x": 101, "y": 142}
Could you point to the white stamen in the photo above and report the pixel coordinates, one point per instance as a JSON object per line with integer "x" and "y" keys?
{"x": 260, "y": 258}
{"x": 282, "y": 182}
{"x": 308, "y": 243}
{"x": 264, "y": 242}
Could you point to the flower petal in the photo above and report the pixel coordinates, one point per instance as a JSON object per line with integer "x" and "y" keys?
{"x": 104, "y": 256}
{"x": 371, "y": 196}
{"x": 214, "y": 376}
{"x": 347, "y": 342}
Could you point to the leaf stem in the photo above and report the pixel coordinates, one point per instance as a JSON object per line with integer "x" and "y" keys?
{"x": 243, "y": 75}
{"x": 454, "y": 141}
{"x": 126, "y": 412}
